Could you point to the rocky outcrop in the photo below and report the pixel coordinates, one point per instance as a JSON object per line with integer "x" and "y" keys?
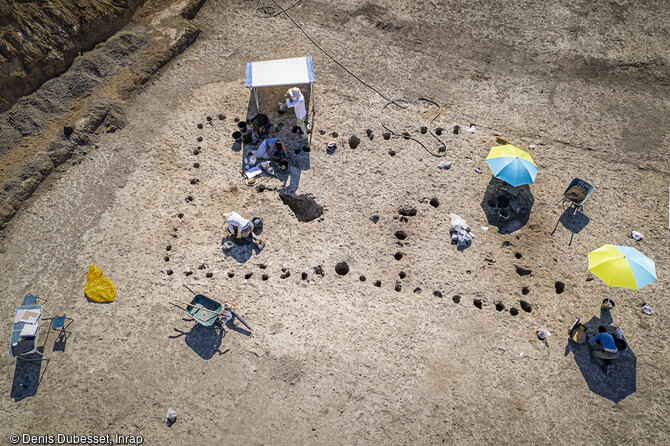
{"x": 39, "y": 40}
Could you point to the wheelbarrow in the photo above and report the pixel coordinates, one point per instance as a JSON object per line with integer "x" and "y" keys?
{"x": 588, "y": 188}
{"x": 206, "y": 311}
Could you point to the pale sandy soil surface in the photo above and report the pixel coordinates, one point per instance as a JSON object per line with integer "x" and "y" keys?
{"x": 337, "y": 360}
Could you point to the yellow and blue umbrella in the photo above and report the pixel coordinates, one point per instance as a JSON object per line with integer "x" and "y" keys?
{"x": 622, "y": 266}
{"x": 512, "y": 165}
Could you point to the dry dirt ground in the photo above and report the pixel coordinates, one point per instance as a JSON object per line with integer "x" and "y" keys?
{"x": 335, "y": 359}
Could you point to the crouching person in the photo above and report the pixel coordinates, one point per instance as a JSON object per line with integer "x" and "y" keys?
{"x": 603, "y": 348}
{"x": 242, "y": 228}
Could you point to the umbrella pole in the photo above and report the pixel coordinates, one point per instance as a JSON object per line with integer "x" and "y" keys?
{"x": 610, "y": 297}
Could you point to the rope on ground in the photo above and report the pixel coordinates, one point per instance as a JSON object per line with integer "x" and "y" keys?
{"x": 400, "y": 103}
{"x": 266, "y": 12}
{"x": 442, "y": 151}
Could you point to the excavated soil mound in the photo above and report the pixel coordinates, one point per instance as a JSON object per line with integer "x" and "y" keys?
{"x": 576, "y": 194}
{"x": 304, "y": 207}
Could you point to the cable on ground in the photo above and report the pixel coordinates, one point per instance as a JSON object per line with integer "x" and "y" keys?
{"x": 270, "y": 11}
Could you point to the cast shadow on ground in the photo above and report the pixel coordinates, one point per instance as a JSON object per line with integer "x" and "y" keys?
{"x": 232, "y": 326}
{"x": 28, "y": 375}
{"x": 91, "y": 301}
{"x": 242, "y": 249}
{"x": 507, "y": 207}
{"x": 573, "y": 222}
{"x": 62, "y": 335}
{"x": 61, "y": 341}
{"x": 281, "y": 126}
{"x": 237, "y": 146}
{"x": 622, "y": 379}
{"x": 205, "y": 341}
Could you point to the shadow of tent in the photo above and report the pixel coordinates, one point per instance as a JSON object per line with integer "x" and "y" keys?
{"x": 622, "y": 380}
{"x": 242, "y": 249}
{"x": 517, "y": 200}
{"x": 282, "y": 126}
{"x": 573, "y": 222}
{"x": 205, "y": 341}
{"x": 27, "y": 377}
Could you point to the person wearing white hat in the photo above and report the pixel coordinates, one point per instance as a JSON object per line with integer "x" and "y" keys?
{"x": 296, "y": 100}
{"x": 240, "y": 227}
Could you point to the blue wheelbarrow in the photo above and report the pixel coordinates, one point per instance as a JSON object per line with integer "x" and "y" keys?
{"x": 577, "y": 192}
{"x": 206, "y": 311}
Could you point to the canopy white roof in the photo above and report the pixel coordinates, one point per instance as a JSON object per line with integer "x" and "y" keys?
{"x": 268, "y": 73}
{"x": 298, "y": 70}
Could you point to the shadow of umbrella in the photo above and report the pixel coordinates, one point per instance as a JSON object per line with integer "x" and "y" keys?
{"x": 205, "y": 341}
{"x": 507, "y": 207}
{"x": 622, "y": 379}
{"x": 573, "y": 222}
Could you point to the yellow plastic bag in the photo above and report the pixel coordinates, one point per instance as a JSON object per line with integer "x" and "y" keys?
{"x": 98, "y": 287}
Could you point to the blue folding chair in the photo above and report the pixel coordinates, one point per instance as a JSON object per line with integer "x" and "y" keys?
{"x": 30, "y": 299}
{"x": 58, "y": 324}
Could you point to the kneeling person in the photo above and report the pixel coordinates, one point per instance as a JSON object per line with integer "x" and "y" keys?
{"x": 242, "y": 228}
{"x": 270, "y": 147}
{"x": 608, "y": 349}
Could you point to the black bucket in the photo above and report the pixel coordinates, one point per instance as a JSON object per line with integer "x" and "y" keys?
{"x": 242, "y": 125}
{"x": 502, "y": 201}
{"x": 237, "y": 136}
{"x": 258, "y": 225}
{"x": 620, "y": 344}
{"x": 503, "y": 213}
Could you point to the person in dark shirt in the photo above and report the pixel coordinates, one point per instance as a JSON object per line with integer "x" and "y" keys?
{"x": 603, "y": 347}
{"x": 259, "y": 127}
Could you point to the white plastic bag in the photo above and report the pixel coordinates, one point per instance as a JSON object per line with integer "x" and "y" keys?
{"x": 543, "y": 333}
{"x": 460, "y": 231}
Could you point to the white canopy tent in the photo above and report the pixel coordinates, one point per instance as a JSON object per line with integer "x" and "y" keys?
{"x": 295, "y": 71}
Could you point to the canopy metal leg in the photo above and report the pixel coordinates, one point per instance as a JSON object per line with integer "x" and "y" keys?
{"x": 311, "y": 121}
{"x": 258, "y": 109}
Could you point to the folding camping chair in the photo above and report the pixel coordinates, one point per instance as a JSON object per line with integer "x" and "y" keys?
{"x": 58, "y": 324}
{"x": 30, "y": 299}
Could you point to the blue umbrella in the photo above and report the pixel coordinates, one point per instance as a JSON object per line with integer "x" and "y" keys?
{"x": 512, "y": 165}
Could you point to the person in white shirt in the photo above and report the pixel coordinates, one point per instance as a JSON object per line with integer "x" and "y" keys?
{"x": 240, "y": 227}
{"x": 296, "y": 100}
